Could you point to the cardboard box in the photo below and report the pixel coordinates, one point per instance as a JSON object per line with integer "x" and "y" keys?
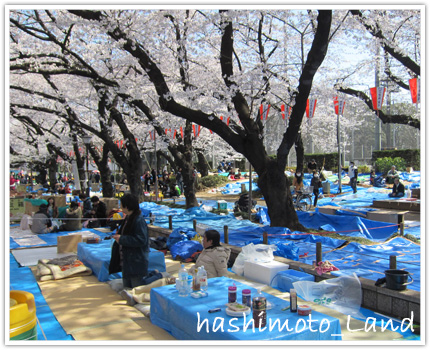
{"x": 68, "y": 244}
{"x": 60, "y": 200}
{"x": 263, "y": 272}
{"x": 17, "y": 208}
{"x": 111, "y": 203}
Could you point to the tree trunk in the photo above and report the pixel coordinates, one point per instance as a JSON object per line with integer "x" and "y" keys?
{"x": 202, "y": 164}
{"x": 189, "y": 185}
{"x": 276, "y": 191}
{"x": 300, "y": 153}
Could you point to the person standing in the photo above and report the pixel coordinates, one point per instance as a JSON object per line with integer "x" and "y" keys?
{"x": 130, "y": 251}
{"x": 180, "y": 180}
{"x": 353, "y": 175}
{"x": 312, "y": 166}
{"x": 316, "y": 183}
{"x": 147, "y": 181}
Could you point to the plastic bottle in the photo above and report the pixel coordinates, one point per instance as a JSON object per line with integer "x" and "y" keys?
{"x": 259, "y": 310}
{"x": 293, "y": 300}
{"x": 203, "y": 279}
{"x": 183, "y": 282}
{"x": 196, "y": 283}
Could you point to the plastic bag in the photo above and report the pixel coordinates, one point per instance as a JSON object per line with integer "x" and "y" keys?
{"x": 179, "y": 234}
{"x": 259, "y": 253}
{"x": 342, "y": 293}
{"x": 184, "y": 249}
{"x": 24, "y": 223}
{"x": 287, "y": 250}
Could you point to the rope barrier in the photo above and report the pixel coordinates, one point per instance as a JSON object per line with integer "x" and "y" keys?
{"x": 326, "y": 232}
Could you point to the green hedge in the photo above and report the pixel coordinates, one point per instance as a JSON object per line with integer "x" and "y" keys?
{"x": 411, "y": 156}
{"x": 330, "y": 160}
{"x": 383, "y": 165}
{"x": 213, "y": 181}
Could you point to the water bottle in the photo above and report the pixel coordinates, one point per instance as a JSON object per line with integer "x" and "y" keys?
{"x": 203, "y": 278}
{"x": 183, "y": 282}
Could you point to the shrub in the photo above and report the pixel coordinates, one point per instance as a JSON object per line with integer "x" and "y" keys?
{"x": 383, "y": 165}
{"x": 212, "y": 181}
{"x": 364, "y": 169}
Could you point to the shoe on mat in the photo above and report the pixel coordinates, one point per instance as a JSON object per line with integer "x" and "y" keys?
{"x": 128, "y": 297}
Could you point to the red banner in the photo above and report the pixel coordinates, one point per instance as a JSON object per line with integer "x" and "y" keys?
{"x": 310, "y": 107}
{"x": 264, "y": 112}
{"x": 377, "y": 94}
{"x": 339, "y": 105}
{"x": 414, "y": 86}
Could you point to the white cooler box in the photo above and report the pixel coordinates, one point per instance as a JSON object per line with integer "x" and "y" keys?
{"x": 263, "y": 272}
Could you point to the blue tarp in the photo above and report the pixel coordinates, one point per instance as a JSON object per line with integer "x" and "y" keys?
{"x": 236, "y": 187}
{"x": 22, "y": 278}
{"x": 97, "y": 257}
{"x": 344, "y": 225}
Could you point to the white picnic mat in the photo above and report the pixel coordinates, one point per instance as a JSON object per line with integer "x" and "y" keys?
{"x": 30, "y": 256}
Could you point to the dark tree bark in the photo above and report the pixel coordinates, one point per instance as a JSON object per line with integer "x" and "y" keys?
{"x": 202, "y": 165}
{"x": 300, "y": 153}
{"x": 385, "y": 118}
{"x": 246, "y": 139}
{"x": 105, "y": 173}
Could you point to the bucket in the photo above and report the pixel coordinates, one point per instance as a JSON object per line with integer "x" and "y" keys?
{"x": 23, "y": 322}
{"x": 397, "y": 279}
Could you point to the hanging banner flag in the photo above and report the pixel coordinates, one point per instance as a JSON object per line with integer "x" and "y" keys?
{"x": 283, "y": 112}
{"x": 196, "y": 130}
{"x": 151, "y": 135}
{"x": 174, "y": 134}
{"x": 264, "y": 111}
{"x": 225, "y": 120}
{"x": 182, "y": 132}
{"x": 377, "y": 94}
{"x": 414, "y": 86}
{"x": 339, "y": 105}
{"x": 310, "y": 107}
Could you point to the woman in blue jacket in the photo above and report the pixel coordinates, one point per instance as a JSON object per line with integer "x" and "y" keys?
{"x": 130, "y": 251}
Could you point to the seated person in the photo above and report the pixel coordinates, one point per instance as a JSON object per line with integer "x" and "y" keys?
{"x": 98, "y": 212}
{"x": 52, "y": 208}
{"x": 214, "y": 256}
{"x": 72, "y": 218}
{"x": 398, "y": 189}
{"x": 67, "y": 189}
{"x": 391, "y": 175}
{"x": 41, "y": 222}
{"x": 372, "y": 177}
{"x": 298, "y": 182}
{"x": 237, "y": 176}
{"x": 87, "y": 205}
